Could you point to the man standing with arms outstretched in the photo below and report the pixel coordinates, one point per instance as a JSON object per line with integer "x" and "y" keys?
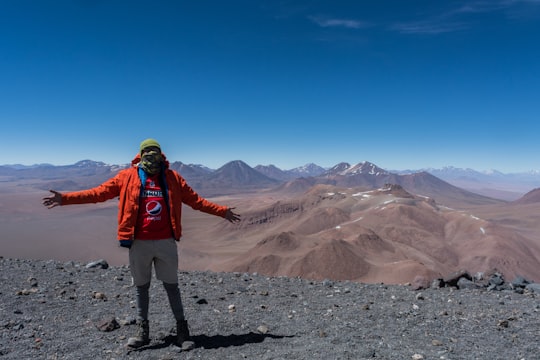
{"x": 149, "y": 224}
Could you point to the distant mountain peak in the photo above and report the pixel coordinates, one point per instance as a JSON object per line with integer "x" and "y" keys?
{"x": 236, "y": 163}
{"x": 89, "y": 163}
{"x": 238, "y": 172}
{"x": 307, "y": 170}
{"x": 339, "y": 168}
{"x": 365, "y": 168}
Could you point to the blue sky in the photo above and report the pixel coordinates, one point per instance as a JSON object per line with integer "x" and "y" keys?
{"x": 403, "y": 84}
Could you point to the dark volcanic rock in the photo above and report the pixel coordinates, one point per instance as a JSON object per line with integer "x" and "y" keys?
{"x": 52, "y": 310}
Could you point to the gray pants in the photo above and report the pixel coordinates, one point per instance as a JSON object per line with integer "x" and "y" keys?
{"x": 162, "y": 255}
{"x": 173, "y": 293}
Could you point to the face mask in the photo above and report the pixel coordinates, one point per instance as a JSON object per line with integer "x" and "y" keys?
{"x": 151, "y": 162}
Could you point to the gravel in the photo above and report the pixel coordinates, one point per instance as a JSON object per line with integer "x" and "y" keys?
{"x": 55, "y": 310}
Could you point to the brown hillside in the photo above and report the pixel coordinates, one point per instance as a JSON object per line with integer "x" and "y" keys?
{"x": 384, "y": 231}
{"x": 336, "y": 259}
{"x": 531, "y": 197}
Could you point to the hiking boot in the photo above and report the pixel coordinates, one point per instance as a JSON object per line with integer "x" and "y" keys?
{"x": 143, "y": 335}
{"x": 182, "y": 332}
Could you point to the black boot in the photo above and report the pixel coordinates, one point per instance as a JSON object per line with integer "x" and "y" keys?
{"x": 143, "y": 335}
{"x": 182, "y": 332}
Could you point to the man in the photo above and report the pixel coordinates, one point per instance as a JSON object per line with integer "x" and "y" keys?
{"x": 149, "y": 224}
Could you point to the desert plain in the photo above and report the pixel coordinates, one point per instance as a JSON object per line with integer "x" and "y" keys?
{"x": 384, "y": 234}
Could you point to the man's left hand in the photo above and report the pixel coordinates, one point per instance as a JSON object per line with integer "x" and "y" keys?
{"x": 231, "y": 215}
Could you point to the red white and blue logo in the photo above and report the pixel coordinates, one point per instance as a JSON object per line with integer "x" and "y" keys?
{"x": 153, "y": 208}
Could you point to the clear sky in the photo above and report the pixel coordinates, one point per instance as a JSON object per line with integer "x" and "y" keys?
{"x": 403, "y": 84}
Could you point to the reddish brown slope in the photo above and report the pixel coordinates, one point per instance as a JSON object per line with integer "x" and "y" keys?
{"x": 384, "y": 235}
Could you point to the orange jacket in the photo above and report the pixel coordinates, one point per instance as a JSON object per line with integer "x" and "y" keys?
{"x": 127, "y": 186}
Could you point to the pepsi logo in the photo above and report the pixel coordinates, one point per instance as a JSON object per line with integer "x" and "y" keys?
{"x": 153, "y": 208}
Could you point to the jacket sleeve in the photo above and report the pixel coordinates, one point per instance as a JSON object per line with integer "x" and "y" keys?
{"x": 195, "y": 201}
{"x": 106, "y": 191}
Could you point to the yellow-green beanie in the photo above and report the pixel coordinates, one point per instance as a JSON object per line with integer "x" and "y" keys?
{"x": 148, "y": 143}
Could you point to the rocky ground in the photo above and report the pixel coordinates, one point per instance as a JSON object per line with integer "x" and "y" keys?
{"x": 55, "y": 310}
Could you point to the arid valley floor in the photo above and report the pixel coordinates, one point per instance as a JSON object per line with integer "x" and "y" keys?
{"x": 382, "y": 235}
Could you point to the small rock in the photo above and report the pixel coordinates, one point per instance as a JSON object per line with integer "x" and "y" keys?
{"x": 452, "y": 279}
{"x": 328, "y": 283}
{"x": 417, "y": 357}
{"x": 130, "y": 320}
{"x": 437, "y": 284}
{"x": 108, "y": 324}
{"x": 263, "y": 329}
{"x": 503, "y": 323}
{"x": 496, "y": 279}
{"x": 520, "y": 282}
{"x": 232, "y": 308}
{"x": 533, "y": 288}
{"x": 27, "y": 291}
{"x": 464, "y": 283}
{"x": 188, "y": 345}
{"x": 479, "y": 276}
{"x": 33, "y": 281}
{"x": 99, "y": 295}
{"x": 103, "y": 264}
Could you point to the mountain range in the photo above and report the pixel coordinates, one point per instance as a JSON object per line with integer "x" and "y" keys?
{"x": 237, "y": 176}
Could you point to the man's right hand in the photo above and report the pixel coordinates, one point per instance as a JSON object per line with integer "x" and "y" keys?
{"x": 54, "y": 200}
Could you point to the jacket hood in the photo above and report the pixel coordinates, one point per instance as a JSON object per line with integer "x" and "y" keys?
{"x": 137, "y": 159}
